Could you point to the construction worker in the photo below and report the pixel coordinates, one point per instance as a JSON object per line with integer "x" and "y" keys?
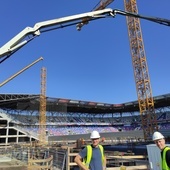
{"x": 92, "y": 156}
{"x": 159, "y": 140}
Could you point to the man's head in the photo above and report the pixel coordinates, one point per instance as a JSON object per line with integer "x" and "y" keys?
{"x": 159, "y": 140}
{"x": 95, "y": 137}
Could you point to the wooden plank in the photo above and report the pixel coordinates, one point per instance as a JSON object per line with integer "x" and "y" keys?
{"x": 139, "y": 167}
{"x": 72, "y": 164}
{"x": 73, "y": 154}
{"x": 128, "y": 157}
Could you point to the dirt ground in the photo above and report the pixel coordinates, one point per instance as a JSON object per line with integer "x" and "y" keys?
{"x": 13, "y": 164}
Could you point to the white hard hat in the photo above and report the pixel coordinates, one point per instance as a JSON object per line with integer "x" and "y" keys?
{"x": 157, "y": 136}
{"x": 94, "y": 135}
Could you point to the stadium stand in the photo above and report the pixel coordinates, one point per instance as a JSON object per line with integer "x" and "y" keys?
{"x": 19, "y": 118}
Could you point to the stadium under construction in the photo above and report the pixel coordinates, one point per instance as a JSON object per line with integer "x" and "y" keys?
{"x": 68, "y": 122}
{"x": 22, "y": 111}
{"x": 39, "y": 132}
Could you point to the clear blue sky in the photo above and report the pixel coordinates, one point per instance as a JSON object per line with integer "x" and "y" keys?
{"x": 93, "y": 64}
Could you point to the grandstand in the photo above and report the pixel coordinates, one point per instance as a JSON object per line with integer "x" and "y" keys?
{"x": 69, "y": 119}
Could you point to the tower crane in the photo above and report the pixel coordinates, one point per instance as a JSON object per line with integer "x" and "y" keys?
{"x": 142, "y": 80}
{"x": 42, "y": 110}
{"x": 140, "y": 68}
{"x": 143, "y": 87}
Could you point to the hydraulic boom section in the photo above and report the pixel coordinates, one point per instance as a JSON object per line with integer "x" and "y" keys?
{"x": 22, "y": 38}
{"x": 29, "y": 33}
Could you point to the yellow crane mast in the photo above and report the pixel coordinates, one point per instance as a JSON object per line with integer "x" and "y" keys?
{"x": 143, "y": 86}
{"x": 142, "y": 80}
{"x": 42, "y": 110}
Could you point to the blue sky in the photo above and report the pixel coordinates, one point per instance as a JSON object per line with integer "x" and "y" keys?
{"x": 93, "y": 64}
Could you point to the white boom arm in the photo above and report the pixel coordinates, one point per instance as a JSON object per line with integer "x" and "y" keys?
{"x": 20, "y": 39}
{"x": 30, "y": 33}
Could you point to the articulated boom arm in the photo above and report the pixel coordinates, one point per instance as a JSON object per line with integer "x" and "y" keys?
{"x": 162, "y": 21}
{"x": 29, "y": 33}
{"x": 21, "y": 39}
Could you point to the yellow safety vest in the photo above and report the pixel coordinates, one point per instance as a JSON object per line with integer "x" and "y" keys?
{"x": 87, "y": 160}
{"x": 164, "y": 163}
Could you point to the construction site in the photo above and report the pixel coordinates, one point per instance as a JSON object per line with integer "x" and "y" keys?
{"x": 38, "y": 132}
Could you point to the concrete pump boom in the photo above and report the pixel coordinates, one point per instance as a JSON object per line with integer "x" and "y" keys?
{"x": 29, "y": 33}
{"x": 20, "y": 39}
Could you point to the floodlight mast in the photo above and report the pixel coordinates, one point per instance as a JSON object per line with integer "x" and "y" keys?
{"x": 22, "y": 38}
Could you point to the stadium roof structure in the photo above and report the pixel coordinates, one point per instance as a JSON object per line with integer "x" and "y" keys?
{"x": 31, "y": 102}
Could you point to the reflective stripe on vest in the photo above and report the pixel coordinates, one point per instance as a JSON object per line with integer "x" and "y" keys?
{"x": 87, "y": 160}
{"x": 164, "y": 163}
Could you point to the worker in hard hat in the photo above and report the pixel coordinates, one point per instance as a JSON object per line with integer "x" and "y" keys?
{"x": 159, "y": 140}
{"x": 92, "y": 157}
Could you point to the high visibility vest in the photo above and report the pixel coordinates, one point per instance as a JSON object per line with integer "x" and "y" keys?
{"x": 164, "y": 163}
{"x": 87, "y": 160}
